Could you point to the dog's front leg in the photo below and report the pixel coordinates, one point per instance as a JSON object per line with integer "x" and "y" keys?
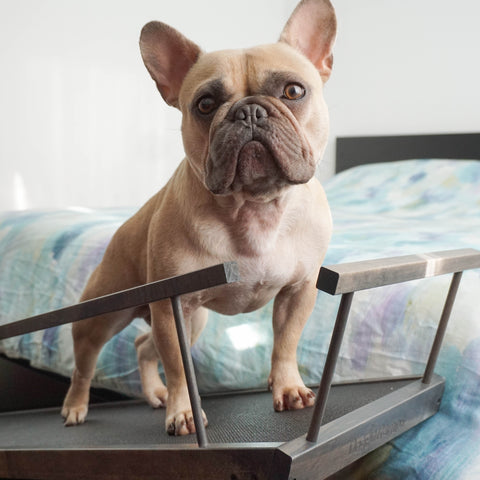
{"x": 179, "y": 417}
{"x": 89, "y": 336}
{"x": 292, "y": 307}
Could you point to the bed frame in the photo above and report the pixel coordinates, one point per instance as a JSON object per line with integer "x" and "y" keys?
{"x": 246, "y": 439}
{"x": 353, "y": 151}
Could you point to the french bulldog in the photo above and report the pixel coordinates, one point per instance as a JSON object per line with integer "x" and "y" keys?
{"x": 254, "y": 127}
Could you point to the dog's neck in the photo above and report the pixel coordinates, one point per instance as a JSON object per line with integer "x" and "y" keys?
{"x": 254, "y": 226}
{"x": 253, "y": 223}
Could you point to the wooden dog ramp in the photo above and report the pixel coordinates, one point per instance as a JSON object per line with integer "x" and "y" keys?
{"x": 246, "y": 439}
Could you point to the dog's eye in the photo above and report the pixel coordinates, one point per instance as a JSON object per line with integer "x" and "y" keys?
{"x": 293, "y": 91}
{"x": 206, "y": 105}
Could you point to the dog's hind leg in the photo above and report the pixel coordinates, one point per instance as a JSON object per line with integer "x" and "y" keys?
{"x": 199, "y": 320}
{"x": 155, "y": 391}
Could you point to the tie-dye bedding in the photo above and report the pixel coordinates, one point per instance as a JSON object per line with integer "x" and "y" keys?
{"x": 379, "y": 210}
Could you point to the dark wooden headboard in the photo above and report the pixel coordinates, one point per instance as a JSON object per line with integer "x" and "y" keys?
{"x": 352, "y": 151}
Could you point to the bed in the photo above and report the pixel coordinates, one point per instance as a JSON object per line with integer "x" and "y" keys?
{"x": 391, "y": 196}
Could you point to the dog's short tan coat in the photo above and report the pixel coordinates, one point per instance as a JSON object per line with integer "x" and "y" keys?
{"x": 254, "y": 127}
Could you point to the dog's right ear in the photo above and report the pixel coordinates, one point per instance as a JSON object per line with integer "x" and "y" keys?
{"x": 168, "y": 56}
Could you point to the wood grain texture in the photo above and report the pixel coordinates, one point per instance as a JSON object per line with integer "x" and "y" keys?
{"x": 354, "y": 276}
{"x": 185, "y": 463}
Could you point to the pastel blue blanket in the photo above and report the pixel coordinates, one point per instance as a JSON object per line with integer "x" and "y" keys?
{"x": 379, "y": 210}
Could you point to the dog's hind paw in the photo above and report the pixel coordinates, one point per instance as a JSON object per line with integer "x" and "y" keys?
{"x": 157, "y": 397}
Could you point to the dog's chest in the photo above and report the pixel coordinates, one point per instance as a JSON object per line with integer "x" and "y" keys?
{"x": 259, "y": 282}
{"x": 263, "y": 277}
{"x": 270, "y": 255}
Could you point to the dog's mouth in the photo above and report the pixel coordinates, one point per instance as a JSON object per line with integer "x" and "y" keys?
{"x": 257, "y": 148}
{"x": 256, "y": 167}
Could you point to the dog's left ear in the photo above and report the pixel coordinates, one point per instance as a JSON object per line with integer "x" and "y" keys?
{"x": 168, "y": 56}
{"x": 311, "y": 29}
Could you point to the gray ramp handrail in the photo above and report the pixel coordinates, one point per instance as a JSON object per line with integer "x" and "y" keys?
{"x": 355, "y": 276}
{"x": 142, "y": 295}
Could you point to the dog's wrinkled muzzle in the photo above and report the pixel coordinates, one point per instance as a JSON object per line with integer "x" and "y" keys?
{"x": 255, "y": 163}
{"x": 258, "y": 147}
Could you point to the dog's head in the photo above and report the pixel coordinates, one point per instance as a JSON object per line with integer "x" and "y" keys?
{"x": 254, "y": 120}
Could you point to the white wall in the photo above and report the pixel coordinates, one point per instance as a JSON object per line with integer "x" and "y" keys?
{"x": 82, "y": 124}
{"x": 404, "y": 67}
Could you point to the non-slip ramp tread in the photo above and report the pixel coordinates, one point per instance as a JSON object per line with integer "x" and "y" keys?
{"x": 241, "y": 418}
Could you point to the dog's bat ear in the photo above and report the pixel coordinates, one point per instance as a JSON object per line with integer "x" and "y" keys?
{"x": 311, "y": 29}
{"x": 168, "y": 56}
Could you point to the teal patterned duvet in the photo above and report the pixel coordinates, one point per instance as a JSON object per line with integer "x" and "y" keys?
{"x": 380, "y": 210}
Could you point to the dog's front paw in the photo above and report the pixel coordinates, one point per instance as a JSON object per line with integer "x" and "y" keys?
{"x": 289, "y": 391}
{"x": 292, "y": 398}
{"x": 75, "y": 405}
{"x": 182, "y": 423}
{"x": 74, "y": 415}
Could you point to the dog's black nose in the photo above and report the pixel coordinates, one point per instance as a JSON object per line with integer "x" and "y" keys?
{"x": 250, "y": 114}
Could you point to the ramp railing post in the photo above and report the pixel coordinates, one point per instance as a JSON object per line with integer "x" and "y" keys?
{"x": 329, "y": 368}
{"x": 192, "y": 386}
{"x": 442, "y": 327}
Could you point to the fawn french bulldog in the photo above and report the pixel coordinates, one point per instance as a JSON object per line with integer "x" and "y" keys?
{"x": 254, "y": 127}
